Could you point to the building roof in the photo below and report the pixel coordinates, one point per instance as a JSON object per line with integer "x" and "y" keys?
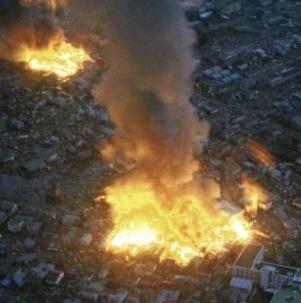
{"x": 268, "y": 268}
{"x": 238, "y": 295}
{"x": 287, "y": 296}
{"x": 280, "y": 269}
{"x": 168, "y": 296}
{"x": 297, "y": 276}
{"x": 242, "y": 283}
{"x": 249, "y": 255}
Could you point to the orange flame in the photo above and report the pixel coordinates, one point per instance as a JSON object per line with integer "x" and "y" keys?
{"x": 181, "y": 231}
{"x": 61, "y": 59}
{"x": 255, "y": 195}
{"x": 260, "y": 154}
{"x": 52, "y": 4}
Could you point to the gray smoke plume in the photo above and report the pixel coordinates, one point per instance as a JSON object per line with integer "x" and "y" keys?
{"x": 147, "y": 87}
{"x": 31, "y": 23}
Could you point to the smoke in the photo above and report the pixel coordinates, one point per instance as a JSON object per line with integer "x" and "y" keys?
{"x": 30, "y": 23}
{"x": 146, "y": 90}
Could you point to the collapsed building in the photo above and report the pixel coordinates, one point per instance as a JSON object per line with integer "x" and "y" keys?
{"x": 43, "y": 144}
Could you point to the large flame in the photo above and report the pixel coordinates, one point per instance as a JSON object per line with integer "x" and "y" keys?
{"x": 54, "y": 55}
{"x": 60, "y": 58}
{"x": 180, "y": 229}
{"x": 162, "y": 205}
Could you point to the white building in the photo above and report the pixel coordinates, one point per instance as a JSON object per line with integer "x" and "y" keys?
{"x": 246, "y": 263}
{"x": 269, "y": 276}
{"x": 275, "y": 276}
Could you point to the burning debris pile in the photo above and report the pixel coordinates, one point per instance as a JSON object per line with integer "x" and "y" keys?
{"x": 164, "y": 204}
{"x": 30, "y": 33}
{"x": 61, "y": 59}
{"x": 58, "y": 245}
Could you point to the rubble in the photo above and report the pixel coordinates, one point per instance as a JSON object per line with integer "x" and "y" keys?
{"x": 33, "y": 228}
{"x": 71, "y": 219}
{"x": 296, "y": 122}
{"x": 3, "y": 217}
{"x": 34, "y": 165}
{"x": 3, "y": 249}
{"x": 15, "y": 225}
{"x": 89, "y": 296}
{"x": 26, "y": 259}
{"x": 20, "y": 190}
{"x": 54, "y": 277}
{"x": 247, "y": 85}
{"x": 20, "y": 278}
{"x": 86, "y": 239}
{"x": 16, "y": 124}
{"x": 43, "y": 269}
{"x": 72, "y": 301}
{"x": 5, "y": 282}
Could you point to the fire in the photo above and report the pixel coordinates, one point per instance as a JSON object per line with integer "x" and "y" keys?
{"x": 260, "y": 154}
{"x": 161, "y": 205}
{"x": 52, "y": 4}
{"x": 61, "y": 59}
{"x": 135, "y": 236}
{"x": 180, "y": 230}
{"x": 241, "y": 229}
{"x": 255, "y": 195}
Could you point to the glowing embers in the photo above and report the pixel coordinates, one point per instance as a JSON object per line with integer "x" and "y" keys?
{"x": 61, "y": 59}
{"x": 255, "y": 196}
{"x": 175, "y": 225}
{"x": 260, "y": 154}
{"x": 52, "y": 4}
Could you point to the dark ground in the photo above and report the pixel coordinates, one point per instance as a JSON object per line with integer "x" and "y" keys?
{"x": 50, "y": 134}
